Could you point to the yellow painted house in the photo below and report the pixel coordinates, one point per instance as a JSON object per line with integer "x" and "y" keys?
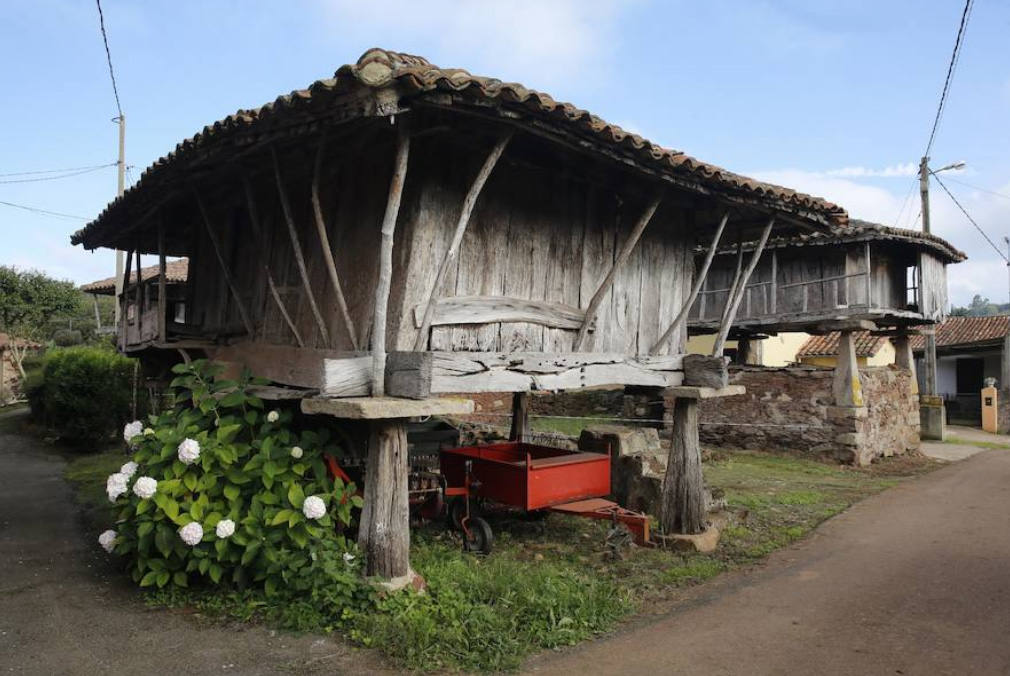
{"x": 777, "y": 350}
{"x": 823, "y": 350}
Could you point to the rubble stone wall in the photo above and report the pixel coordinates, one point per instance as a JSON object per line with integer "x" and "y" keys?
{"x": 792, "y": 409}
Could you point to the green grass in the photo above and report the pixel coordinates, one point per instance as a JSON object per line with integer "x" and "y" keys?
{"x": 88, "y": 473}
{"x": 972, "y": 442}
{"x": 549, "y": 583}
{"x": 570, "y": 427}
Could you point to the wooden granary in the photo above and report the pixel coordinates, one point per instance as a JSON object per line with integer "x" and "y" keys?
{"x": 401, "y": 232}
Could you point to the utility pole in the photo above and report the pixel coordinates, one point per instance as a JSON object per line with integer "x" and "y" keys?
{"x": 932, "y": 414}
{"x": 121, "y": 167}
{"x": 1007, "y": 240}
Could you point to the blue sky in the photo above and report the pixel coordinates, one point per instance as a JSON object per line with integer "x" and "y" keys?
{"x": 832, "y": 98}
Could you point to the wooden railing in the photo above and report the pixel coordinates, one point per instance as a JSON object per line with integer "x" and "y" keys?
{"x": 771, "y": 293}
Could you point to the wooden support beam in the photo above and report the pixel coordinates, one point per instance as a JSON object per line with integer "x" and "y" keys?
{"x": 683, "y": 498}
{"x": 520, "y": 430}
{"x": 494, "y": 309}
{"x": 386, "y": 261}
{"x": 731, "y": 291}
{"x": 324, "y": 243}
{"x": 162, "y": 271}
{"x": 629, "y": 245}
{"x": 775, "y": 281}
{"x": 384, "y": 526}
{"x": 703, "y": 371}
{"x": 296, "y": 247}
{"x": 869, "y": 278}
{"x": 469, "y": 202}
{"x": 138, "y": 297}
{"x": 720, "y": 341}
{"x": 98, "y": 315}
{"x": 695, "y": 289}
{"x": 122, "y": 300}
{"x": 262, "y": 246}
{"x": 239, "y": 303}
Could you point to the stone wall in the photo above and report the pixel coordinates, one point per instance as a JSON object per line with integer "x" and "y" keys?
{"x": 793, "y": 409}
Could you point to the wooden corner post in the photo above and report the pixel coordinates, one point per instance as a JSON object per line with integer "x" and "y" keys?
{"x": 683, "y": 501}
{"x": 384, "y": 528}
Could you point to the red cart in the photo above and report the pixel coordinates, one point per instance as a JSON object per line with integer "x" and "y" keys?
{"x": 533, "y": 479}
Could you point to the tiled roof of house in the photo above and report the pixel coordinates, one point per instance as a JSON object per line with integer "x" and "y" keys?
{"x": 967, "y": 331}
{"x": 5, "y": 341}
{"x": 413, "y": 76}
{"x": 176, "y": 272}
{"x": 867, "y": 345}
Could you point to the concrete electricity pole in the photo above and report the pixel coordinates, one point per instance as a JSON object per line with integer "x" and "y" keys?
{"x": 930, "y": 351}
{"x": 121, "y": 166}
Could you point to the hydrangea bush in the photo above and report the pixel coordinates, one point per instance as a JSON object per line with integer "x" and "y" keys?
{"x": 221, "y": 490}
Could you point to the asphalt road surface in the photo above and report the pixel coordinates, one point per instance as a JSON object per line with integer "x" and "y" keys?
{"x": 915, "y": 580}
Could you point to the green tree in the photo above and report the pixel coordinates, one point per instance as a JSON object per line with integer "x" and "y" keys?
{"x": 29, "y": 299}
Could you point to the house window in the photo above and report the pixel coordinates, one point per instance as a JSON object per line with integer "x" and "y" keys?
{"x": 180, "y": 313}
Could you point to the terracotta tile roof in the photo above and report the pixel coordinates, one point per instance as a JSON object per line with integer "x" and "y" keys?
{"x": 5, "y": 342}
{"x": 859, "y": 231}
{"x": 176, "y": 272}
{"x": 967, "y": 331}
{"x": 867, "y": 345}
{"x": 414, "y": 76}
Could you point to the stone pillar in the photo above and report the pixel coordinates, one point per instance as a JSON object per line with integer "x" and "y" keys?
{"x": 849, "y": 412}
{"x": 903, "y": 358}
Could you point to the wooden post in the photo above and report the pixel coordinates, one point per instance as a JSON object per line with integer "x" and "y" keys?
{"x": 296, "y": 247}
{"x": 469, "y": 202}
{"x": 324, "y": 243}
{"x": 122, "y": 300}
{"x": 162, "y": 271}
{"x": 520, "y": 430}
{"x": 384, "y": 529}
{"x": 699, "y": 282}
{"x": 629, "y": 246}
{"x": 734, "y": 285}
{"x": 262, "y": 245}
{"x": 720, "y": 341}
{"x": 138, "y": 297}
{"x": 869, "y": 282}
{"x": 847, "y": 389}
{"x": 683, "y": 500}
{"x": 386, "y": 262}
{"x": 775, "y": 281}
{"x": 229, "y": 280}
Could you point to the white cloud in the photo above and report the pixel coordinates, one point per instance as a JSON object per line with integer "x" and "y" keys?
{"x": 985, "y": 270}
{"x": 895, "y": 170}
{"x": 541, "y": 44}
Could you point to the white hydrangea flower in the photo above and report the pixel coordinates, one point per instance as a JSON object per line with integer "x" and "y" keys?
{"x": 273, "y": 416}
{"x": 132, "y": 429}
{"x": 191, "y": 533}
{"x": 129, "y": 469}
{"x": 348, "y": 557}
{"x": 108, "y": 540}
{"x": 145, "y": 488}
{"x": 313, "y": 507}
{"x": 225, "y": 528}
{"x": 189, "y": 451}
{"x": 297, "y": 452}
{"x": 148, "y": 431}
{"x": 115, "y": 485}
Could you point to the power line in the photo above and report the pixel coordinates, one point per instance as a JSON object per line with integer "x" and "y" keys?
{"x": 975, "y": 187}
{"x": 36, "y": 179}
{"x": 44, "y": 212}
{"x": 108, "y": 56}
{"x": 901, "y": 212}
{"x": 972, "y": 220}
{"x": 56, "y": 171}
{"x": 955, "y": 55}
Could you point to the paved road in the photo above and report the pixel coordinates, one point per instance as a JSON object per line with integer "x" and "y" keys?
{"x": 65, "y": 608}
{"x": 915, "y": 580}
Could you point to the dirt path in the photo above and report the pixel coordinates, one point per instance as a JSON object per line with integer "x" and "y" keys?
{"x": 915, "y": 580}
{"x": 65, "y": 609}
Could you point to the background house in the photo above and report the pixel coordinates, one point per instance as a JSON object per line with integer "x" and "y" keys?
{"x": 969, "y": 350}
{"x": 871, "y": 350}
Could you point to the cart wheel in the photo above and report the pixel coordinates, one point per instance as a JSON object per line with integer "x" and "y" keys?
{"x": 456, "y": 511}
{"x": 479, "y": 539}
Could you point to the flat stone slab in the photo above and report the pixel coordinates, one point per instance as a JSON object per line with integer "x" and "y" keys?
{"x": 703, "y": 543}
{"x": 688, "y": 392}
{"x": 379, "y": 408}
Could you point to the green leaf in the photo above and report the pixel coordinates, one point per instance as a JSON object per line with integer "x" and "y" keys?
{"x": 143, "y": 506}
{"x": 231, "y": 492}
{"x": 144, "y": 528}
{"x": 189, "y": 480}
{"x": 215, "y": 572}
{"x": 196, "y": 511}
{"x": 179, "y": 579}
{"x": 233, "y": 400}
{"x": 357, "y": 501}
{"x": 296, "y": 496}
{"x": 237, "y": 477}
{"x": 212, "y": 520}
{"x": 203, "y": 565}
{"x": 270, "y": 587}
{"x": 226, "y": 433}
{"x": 150, "y": 578}
{"x": 299, "y": 538}
{"x": 251, "y": 417}
{"x": 163, "y": 578}
{"x": 249, "y": 555}
{"x": 171, "y": 509}
{"x": 281, "y": 516}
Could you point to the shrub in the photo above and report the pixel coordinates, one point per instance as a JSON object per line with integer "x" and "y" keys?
{"x": 84, "y": 394}
{"x": 221, "y": 492}
{"x": 67, "y": 337}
